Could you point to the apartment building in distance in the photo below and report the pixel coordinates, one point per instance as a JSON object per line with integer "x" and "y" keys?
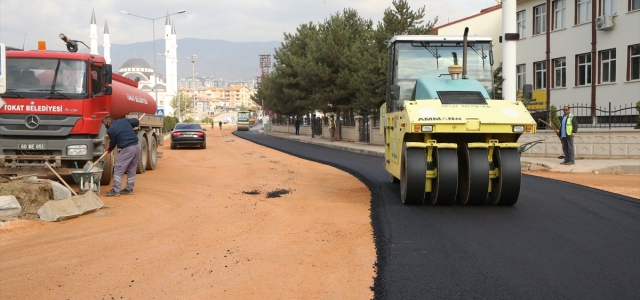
{"x": 233, "y": 96}
{"x": 584, "y": 52}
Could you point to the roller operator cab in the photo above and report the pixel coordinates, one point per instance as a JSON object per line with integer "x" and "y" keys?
{"x": 446, "y": 140}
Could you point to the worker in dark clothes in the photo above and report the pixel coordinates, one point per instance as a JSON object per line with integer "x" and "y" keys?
{"x": 121, "y": 134}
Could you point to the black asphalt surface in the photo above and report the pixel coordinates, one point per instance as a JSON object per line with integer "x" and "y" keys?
{"x": 559, "y": 241}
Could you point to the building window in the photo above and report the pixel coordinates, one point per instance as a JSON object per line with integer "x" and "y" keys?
{"x": 520, "y": 22}
{"x": 608, "y": 65}
{"x": 634, "y": 62}
{"x": 521, "y": 76}
{"x": 558, "y": 14}
{"x": 583, "y": 11}
{"x": 539, "y": 19}
{"x": 560, "y": 72}
{"x": 540, "y": 80}
{"x": 609, "y": 7}
{"x": 583, "y": 74}
{"x": 634, "y": 4}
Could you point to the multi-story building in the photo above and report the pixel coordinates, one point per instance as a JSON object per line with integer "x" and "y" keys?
{"x": 234, "y": 96}
{"x": 579, "y": 51}
{"x": 573, "y": 51}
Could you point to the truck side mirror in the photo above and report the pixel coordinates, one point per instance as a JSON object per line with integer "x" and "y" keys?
{"x": 107, "y": 74}
{"x": 527, "y": 91}
{"x": 394, "y": 91}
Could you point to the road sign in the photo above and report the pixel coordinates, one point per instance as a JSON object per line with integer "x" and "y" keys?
{"x": 160, "y": 112}
{"x": 3, "y": 69}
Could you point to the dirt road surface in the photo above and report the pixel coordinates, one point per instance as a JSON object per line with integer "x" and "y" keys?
{"x": 196, "y": 229}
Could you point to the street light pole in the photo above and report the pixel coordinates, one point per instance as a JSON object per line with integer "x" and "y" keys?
{"x": 155, "y": 78}
{"x": 193, "y": 80}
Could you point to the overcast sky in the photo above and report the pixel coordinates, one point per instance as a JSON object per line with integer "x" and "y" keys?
{"x": 230, "y": 20}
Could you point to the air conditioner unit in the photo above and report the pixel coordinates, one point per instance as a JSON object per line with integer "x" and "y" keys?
{"x": 604, "y": 22}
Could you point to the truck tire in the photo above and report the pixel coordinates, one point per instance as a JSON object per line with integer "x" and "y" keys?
{"x": 107, "y": 172}
{"x": 153, "y": 153}
{"x": 144, "y": 154}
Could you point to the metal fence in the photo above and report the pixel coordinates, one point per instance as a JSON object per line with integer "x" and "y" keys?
{"x": 594, "y": 117}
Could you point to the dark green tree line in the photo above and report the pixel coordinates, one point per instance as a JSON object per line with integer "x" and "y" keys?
{"x": 339, "y": 63}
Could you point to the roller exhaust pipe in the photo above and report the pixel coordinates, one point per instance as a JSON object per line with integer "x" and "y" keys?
{"x": 464, "y": 53}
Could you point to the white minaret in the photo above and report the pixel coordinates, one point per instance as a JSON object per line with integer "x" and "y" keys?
{"x": 174, "y": 52}
{"x": 169, "y": 58}
{"x": 93, "y": 34}
{"x": 168, "y": 55}
{"x": 106, "y": 44}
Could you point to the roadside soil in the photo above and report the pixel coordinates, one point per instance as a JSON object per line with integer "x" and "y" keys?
{"x": 233, "y": 221}
{"x": 623, "y": 184}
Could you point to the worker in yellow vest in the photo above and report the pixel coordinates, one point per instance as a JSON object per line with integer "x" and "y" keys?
{"x": 568, "y": 129}
{"x": 332, "y": 127}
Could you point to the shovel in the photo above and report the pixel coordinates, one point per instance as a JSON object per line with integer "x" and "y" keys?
{"x": 90, "y": 165}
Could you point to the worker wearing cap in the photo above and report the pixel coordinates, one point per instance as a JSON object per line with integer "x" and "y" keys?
{"x": 121, "y": 134}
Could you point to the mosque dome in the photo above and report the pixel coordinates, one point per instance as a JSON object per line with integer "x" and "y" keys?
{"x": 136, "y": 65}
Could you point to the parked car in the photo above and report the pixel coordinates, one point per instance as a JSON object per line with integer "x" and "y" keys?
{"x": 188, "y": 134}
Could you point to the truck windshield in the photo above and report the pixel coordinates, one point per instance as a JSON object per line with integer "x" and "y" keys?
{"x": 432, "y": 59}
{"x": 47, "y": 77}
{"x": 244, "y": 116}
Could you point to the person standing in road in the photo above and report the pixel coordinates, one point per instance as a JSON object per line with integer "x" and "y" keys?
{"x": 332, "y": 127}
{"x": 568, "y": 129}
{"x": 121, "y": 134}
{"x": 296, "y": 123}
{"x": 220, "y": 123}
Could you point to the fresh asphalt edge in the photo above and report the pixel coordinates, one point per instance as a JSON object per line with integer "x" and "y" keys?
{"x": 378, "y": 213}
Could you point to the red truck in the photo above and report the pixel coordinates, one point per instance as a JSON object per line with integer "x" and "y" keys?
{"x": 55, "y": 102}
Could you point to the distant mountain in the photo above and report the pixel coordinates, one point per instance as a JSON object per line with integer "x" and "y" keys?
{"x": 222, "y": 59}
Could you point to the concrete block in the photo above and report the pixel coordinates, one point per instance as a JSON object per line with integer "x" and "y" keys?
{"x": 56, "y": 210}
{"x": 88, "y": 202}
{"x": 9, "y": 208}
{"x": 60, "y": 191}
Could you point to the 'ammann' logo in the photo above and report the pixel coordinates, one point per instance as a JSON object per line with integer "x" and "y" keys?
{"x": 440, "y": 119}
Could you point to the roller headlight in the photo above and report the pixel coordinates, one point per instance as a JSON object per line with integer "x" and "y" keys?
{"x": 427, "y": 128}
{"x": 518, "y": 128}
{"x": 77, "y": 150}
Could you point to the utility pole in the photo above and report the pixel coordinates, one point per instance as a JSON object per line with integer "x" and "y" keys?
{"x": 193, "y": 81}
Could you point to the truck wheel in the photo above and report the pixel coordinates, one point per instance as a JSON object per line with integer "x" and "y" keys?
{"x": 506, "y": 187}
{"x": 445, "y": 185}
{"x": 107, "y": 172}
{"x": 473, "y": 175}
{"x": 153, "y": 153}
{"x": 144, "y": 154}
{"x": 413, "y": 175}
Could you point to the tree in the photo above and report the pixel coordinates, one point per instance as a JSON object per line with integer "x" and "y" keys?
{"x": 185, "y": 103}
{"x": 497, "y": 82}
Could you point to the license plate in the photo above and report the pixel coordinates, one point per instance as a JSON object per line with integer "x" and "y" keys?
{"x": 32, "y": 147}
